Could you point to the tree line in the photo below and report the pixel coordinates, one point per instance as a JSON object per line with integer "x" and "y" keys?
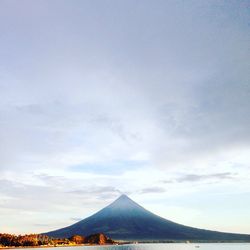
{"x": 7, "y": 240}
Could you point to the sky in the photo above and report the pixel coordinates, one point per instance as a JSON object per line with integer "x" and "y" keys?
{"x": 146, "y": 98}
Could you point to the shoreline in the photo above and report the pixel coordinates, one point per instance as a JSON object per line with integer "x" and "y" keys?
{"x": 79, "y": 245}
{"x": 123, "y": 243}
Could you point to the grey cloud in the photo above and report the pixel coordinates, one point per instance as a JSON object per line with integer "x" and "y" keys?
{"x": 31, "y": 108}
{"x": 60, "y": 182}
{"x": 105, "y": 192}
{"x": 30, "y": 197}
{"x": 113, "y": 124}
{"x": 194, "y": 177}
{"x": 52, "y": 180}
{"x": 153, "y": 190}
{"x": 202, "y": 177}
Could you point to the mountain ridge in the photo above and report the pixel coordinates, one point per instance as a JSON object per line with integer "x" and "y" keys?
{"x": 124, "y": 219}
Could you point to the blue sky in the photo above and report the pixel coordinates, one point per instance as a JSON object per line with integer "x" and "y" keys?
{"x": 147, "y": 98}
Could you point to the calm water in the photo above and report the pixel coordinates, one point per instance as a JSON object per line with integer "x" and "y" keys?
{"x": 221, "y": 246}
{"x": 176, "y": 246}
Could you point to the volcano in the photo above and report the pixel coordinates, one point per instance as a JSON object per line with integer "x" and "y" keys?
{"x": 124, "y": 219}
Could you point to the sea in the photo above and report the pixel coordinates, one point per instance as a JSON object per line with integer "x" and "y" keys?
{"x": 166, "y": 246}
{"x": 174, "y": 246}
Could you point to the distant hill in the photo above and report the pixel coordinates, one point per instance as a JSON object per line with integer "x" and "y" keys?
{"x": 126, "y": 220}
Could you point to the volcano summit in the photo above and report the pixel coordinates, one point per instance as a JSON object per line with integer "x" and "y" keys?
{"x": 124, "y": 219}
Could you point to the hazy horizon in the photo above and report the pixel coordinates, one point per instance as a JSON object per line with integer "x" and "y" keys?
{"x": 146, "y": 98}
